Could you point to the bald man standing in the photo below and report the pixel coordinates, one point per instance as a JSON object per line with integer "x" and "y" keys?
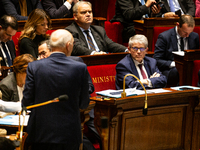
{"x": 56, "y": 126}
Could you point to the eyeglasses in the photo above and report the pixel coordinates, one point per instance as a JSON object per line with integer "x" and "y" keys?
{"x": 136, "y": 49}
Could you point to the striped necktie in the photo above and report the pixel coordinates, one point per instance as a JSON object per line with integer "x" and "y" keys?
{"x": 9, "y": 61}
{"x": 142, "y": 71}
{"x": 89, "y": 39}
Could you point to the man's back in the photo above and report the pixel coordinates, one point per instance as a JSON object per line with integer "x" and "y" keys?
{"x": 46, "y": 80}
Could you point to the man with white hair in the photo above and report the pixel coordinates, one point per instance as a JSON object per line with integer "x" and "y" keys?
{"x": 56, "y": 126}
{"x": 143, "y": 67}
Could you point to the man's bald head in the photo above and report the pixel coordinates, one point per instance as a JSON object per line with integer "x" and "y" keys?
{"x": 60, "y": 40}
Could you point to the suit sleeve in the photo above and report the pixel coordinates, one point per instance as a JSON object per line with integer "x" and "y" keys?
{"x": 6, "y": 93}
{"x": 84, "y": 96}
{"x": 132, "y": 12}
{"x": 28, "y": 93}
{"x": 190, "y": 7}
{"x": 53, "y": 11}
{"x": 11, "y": 10}
{"x": 159, "y": 53}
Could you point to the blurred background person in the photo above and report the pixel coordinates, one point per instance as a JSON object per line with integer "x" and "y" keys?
{"x": 59, "y": 8}
{"x": 20, "y": 8}
{"x": 8, "y": 28}
{"x": 12, "y": 86}
{"x": 44, "y": 50}
{"x": 34, "y": 32}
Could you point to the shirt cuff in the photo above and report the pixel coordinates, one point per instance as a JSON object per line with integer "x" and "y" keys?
{"x": 150, "y": 84}
{"x": 172, "y": 64}
{"x": 68, "y": 5}
{"x": 92, "y": 53}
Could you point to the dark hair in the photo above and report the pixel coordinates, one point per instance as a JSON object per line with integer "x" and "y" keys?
{"x": 20, "y": 63}
{"x": 6, "y": 144}
{"x": 188, "y": 19}
{"x": 47, "y": 42}
{"x": 9, "y": 21}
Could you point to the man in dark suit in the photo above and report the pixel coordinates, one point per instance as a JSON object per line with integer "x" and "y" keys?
{"x": 20, "y": 8}
{"x": 178, "y": 39}
{"x": 56, "y": 126}
{"x": 168, "y": 9}
{"x": 59, "y": 8}
{"x": 143, "y": 67}
{"x": 128, "y": 10}
{"x": 8, "y": 28}
{"x": 90, "y": 39}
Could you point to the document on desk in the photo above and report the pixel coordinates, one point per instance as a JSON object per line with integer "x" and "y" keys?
{"x": 14, "y": 120}
{"x": 179, "y": 53}
{"x": 185, "y": 87}
{"x": 129, "y": 92}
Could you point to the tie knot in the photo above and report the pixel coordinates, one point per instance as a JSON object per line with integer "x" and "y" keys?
{"x": 86, "y": 31}
{"x": 140, "y": 65}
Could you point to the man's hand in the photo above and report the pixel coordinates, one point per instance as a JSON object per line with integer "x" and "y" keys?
{"x": 155, "y": 10}
{"x": 99, "y": 53}
{"x": 155, "y": 75}
{"x": 170, "y": 14}
{"x": 150, "y": 2}
{"x": 70, "y": 1}
{"x": 145, "y": 81}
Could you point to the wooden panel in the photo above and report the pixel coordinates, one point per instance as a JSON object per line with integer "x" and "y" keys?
{"x": 163, "y": 126}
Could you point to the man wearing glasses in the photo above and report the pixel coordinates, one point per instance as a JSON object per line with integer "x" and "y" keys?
{"x": 141, "y": 66}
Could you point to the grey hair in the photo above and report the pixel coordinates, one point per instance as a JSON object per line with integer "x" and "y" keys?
{"x": 61, "y": 42}
{"x": 138, "y": 38}
{"x": 75, "y": 7}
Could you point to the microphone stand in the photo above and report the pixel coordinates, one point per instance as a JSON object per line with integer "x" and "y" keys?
{"x": 23, "y": 111}
{"x": 123, "y": 94}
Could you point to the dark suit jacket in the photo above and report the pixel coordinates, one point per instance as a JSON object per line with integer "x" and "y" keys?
{"x": 91, "y": 86}
{"x": 166, "y": 43}
{"x": 56, "y": 9}
{"x": 11, "y": 47}
{"x": 127, "y": 66}
{"x": 187, "y": 6}
{"x": 49, "y": 78}
{"x": 8, "y": 87}
{"x": 103, "y": 42}
{"x": 12, "y": 7}
{"x": 128, "y": 10}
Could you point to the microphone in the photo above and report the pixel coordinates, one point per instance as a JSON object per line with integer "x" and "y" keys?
{"x": 123, "y": 94}
{"x": 104, "y": 132}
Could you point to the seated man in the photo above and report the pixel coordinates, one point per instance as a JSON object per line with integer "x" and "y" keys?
{"x": 170, "y": 7}
{"x": 180, "y": 38}
{"x": 20, "y": 9}
{"x": 128, "y": 10}
{"x": 143, "y": 67}
{"x": 59, "y": 8}
{"x": 90, "y": 39}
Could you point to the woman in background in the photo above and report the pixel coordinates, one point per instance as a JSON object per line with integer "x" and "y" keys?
{"x": 34, "y": 32}
{"x": 12, "y": 86}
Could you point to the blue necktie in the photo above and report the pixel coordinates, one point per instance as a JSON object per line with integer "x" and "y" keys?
{"x": 91, "y": 44}
{"x": 172, "y": 9}
{"x": 142, "y": 2}
{"x": 9, "y": 61}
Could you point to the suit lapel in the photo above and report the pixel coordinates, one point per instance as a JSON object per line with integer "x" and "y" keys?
{"x": 174, "y": 40}
{"x": 147, "y": 67}
{"x": 132, "y": 67}
{"x": 166, "y": 5}
{"x": 82, "y": 37}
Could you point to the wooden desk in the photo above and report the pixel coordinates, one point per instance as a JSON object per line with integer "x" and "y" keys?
{"x": 184, "y": 65}
{"x": 146, "y": 26}
{"x": 63, "y": 23}
{"x": 172, "y": 121}
{"x": 112, "y": 58}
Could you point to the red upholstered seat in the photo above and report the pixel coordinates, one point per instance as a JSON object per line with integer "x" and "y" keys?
{"x": 15, "y": 39}
{"x": 113, "y": 30}
{"x": 156, "y": 32}
{"x": 103, "y": 77}
{"x": 196, "y": 69}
